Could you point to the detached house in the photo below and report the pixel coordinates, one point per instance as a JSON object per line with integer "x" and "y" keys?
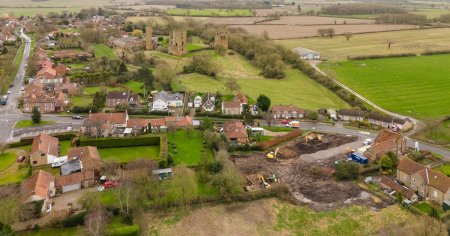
{"x": 114, "y": 98}
{"x": 209, "y": 103}
{"x": 231, "y": 108}
{"x": 39, "y": 187}
{"x": 235, "y": 132}
{"x": 428, "y": 183}
{"x": 380, "y": 120}
{"x": 386, "y": 140}
{"x": 164, "y": 101}
{"x": 287, "y": 112}
{"x": 351, "y": 115}
{"x": 105, "y": 124}
{"x": 44, "y": 150}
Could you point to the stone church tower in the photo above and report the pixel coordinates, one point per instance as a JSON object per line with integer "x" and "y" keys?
{"x": 178, "y": 42}
{"x": 221, "y": 39}
{"x": 148, "y": 37}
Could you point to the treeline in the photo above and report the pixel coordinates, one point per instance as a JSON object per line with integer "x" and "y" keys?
{"x": 361, "y": 8}
{"x": 445, "y": 18}
{"x": 412, "y": 19}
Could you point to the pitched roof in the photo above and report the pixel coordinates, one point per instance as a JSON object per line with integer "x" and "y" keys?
{"x": 287, "y": 108}
{"x": 409, "y": 166}
{"x": 38, "y": 184}
{"x": 351, "y": 112}
{"x": 435, "y": 179}
{"x": 400, "y": 121}
{"x": 131, "y": 123}
{"x": 397, "y": 187}
{"x": 46, "y": 71}
{"x": 89, "y": 156}
{"x": 234, "y": 129}
{"x": 231, "y": 105}
{"x": 74, "y": 178}
{"x": 383, "y": 147}
{"x": 241, "y": 98}
{"x": 46, "y": 144}
{"x": 108, "y": 118}
{"x": 387, "y": 134}
{"x": 165, "y": 96}
{"x": 118, "y": 95}
{"x": 380, "y": 117}
{"x": 70, "y": 167}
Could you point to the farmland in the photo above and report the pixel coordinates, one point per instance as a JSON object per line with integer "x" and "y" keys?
{"x": 317, "y": 20}
{"x": 416, "y": 86}
{"x": 338, "y": 48}
{"x": 295, "y": 89}
{"x": 209, "y": 12}
{"x": 294, "y": 31}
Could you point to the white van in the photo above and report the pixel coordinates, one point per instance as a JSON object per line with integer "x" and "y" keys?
{"x": 59, "y": 161}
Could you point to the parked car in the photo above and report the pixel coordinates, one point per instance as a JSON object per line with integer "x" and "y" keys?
{"x": 110, "y": 184}
{"x": 100, "y": 188}
{"x": 367, "y": 142}
{"x": 20, "y": 159}
{"x": 284, "y": 122}
{"x": 77, "y": 117}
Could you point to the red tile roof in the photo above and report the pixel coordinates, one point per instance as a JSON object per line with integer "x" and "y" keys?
{"x": 89, "y": 157}
{"x": 435, "y": 179}
{"x": 38, "y": 184}
{"x": 234, "y": 129}
{"x": 389, "y": 183}
{"x": 46, "y": 144}
{"x": 108, "y": 118}
{"x": 409, "y": 166}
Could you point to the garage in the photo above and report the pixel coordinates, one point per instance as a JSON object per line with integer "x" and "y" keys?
{"x": 71, "y": 187}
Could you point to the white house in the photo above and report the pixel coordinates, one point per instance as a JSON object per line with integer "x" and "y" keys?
{"x": 163, "y": 100}
{"x": 197, "y": 101}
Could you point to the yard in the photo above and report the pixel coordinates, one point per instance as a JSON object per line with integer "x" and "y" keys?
{"x": 101, "y": 50}
{"x": 187, "y": 148}
{"x": 81, "y": 101}
{"x": 209, "y": 12}
{"x": 444, "y": 169}
{"x": 127, "y": 154}
{"x": 92, "y": 90}
{"x": 426, "y": 207}
{"x": 29, "y": 123}
{"x": 296, "y": 88}
{"x": 7, "y": 159}
{"x": 135, "y": 86}
{"x": 438, "y": 134}
{"x": 405, "y": 41}
{"x": 415, "y": 86}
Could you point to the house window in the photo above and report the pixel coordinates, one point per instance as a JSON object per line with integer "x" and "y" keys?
{"x": 34, "y": 162}
{"x": 43, "y": 155}
{"x": 435, "y": 194}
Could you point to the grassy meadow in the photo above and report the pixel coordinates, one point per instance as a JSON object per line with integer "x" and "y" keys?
{"x": 209, "y": 12}
{"x": 295, "y": 89}
{"x": 416, "y": 86}
{"x": 405, "y": 41}
{"x": 127, "y": 154}
{"x": 101, "y": 50}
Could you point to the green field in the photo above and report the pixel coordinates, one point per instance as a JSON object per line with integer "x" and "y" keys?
{"x": 416, "y": 86}
{"x": 135, "y": 86}
{"x": 405, "y": 41}
{"x": 29, "y": 123}
{"x": 295, "y": 89}
{"x": 127, "y": 154}
{"x": 7, "y": 159}
{"x": 101, "y": 50}
{"x": 188, "y": 147}
{"x": 209, "y": 12}
{"x": 431, "y": 13}
{"x": 26, "y": 11}
{"x": 437, "y": 134}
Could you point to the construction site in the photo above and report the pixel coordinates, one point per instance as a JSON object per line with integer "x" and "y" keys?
{"x": 306, "y": 165}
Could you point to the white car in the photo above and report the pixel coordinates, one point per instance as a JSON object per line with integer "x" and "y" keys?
{"x": 69, "y": 128}
{"x": 367, "y": 142}
{"x": 101, "y": 188}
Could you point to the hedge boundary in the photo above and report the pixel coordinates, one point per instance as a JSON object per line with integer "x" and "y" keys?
{"x": 280, "y": 139}
{"x": 121, "y": 142}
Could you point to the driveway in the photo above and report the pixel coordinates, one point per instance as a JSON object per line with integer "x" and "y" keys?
{"x": 62, "y": 202}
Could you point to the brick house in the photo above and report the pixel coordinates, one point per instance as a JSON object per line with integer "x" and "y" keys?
{"x": 46, "y": 103}
{"x": 428, "y": 183}
{"x": 114, "y": 98}
{"x": 286, "y": 112}
{"x": 106, "y": 122}
{"x": 386, "y": 140}
{"x": 39, "y": 187}
{"x": 235, "y": 132}
{"x": 74, "y": 181}
{"x": 390, "y": 185}
{"x": 351, "y": 115}
{"x": 44, "y": 150}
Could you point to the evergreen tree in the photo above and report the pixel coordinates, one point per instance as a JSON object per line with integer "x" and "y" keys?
{"x": 263, "y": 102}
{"x": 36, "y": 115}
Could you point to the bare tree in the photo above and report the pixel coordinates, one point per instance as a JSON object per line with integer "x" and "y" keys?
{"x": 348, "y": 35}
{"x": 321, "y": 32}
{"x": 232, "y": 85}
{"x": 389, "y": 43}
{"x": 96, "y": 220}
{"x": 125, "y": 195}
{"x": 3, "y": 147}
{"x": 331, "y": 32}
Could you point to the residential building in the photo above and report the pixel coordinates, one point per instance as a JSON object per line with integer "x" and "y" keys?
{"x": 235, "y": 132}
{"x": 209, "y": 103}
{"x": 72, "y": 166}
{"x": 74, "y": 181}
{"x": 241, "y": 98}
{"x": 386, "y": 140}
{"x": 402, "y": 124}
{"x": 105, "y": 124}
{"x": 44, "y": 150}
{"x": 114, "y": 98}
{"x": 197, "y": 102}
{"x": 351, "y": 115}
{"x": 164, "y": 101}
{"x": 67, "y": 88}
{"x": 46, "y": 103}
{"x": 390, "y": 185}
{"x": 287, "y": 112}
{"x": 231, "y": 108}
{"x": 88, "y": 156}
{"x": 39, "y": 187}
{"x": 332, "y": 113}
{"x": 307, "y": 54}
{"x": 161, "y": 124}
{"x": 380, "y": 120}
{"x": 428, "y": 183}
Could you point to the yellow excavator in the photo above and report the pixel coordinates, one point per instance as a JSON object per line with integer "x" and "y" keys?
{"x": 263, "y": 181}
{"x": 312, "y": 136}
{"x": 272, "y": 156}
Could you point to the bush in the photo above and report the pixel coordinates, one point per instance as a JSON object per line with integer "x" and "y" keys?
{"x": 86, "y": 109}
{"x": 131, "y": 230}
{"x": 365, "y": 57}
{"x": 280, "y": 139}
{"x": 436, "y": 52}
{"x": 347, "y": 170}
{"x": 75, "y": 220}
{"x": 121, "y": 142}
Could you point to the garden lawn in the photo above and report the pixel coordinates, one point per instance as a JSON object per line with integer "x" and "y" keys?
{"x": 296, "y": 88}
{"x": 278, "y": 128}
{"x": 444, "y": 169}
{"x": 127, "y": 154}
{"x": 81, "y": 101}
{"x": 415, "y": 86}
{"x": 7, "y": 159}
{"x": 93, "y": 90}
{"x": 188, "y": 146}
{"x": 13, "y": 175}
{"x": 426, "y": 207}
{"x": 135, "y": 86}
{"x": 29, "y": 123}
{"x": 101, "y": 50}
{"x": 209, "y": 12}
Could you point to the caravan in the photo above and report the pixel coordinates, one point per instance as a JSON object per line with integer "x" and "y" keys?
{"x": 59, "y": 161}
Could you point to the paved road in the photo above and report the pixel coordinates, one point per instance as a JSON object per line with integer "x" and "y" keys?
{"x": 415, "y": 121}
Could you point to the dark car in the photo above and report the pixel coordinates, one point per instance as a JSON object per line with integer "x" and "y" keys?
{"x": 77, "y": 117}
